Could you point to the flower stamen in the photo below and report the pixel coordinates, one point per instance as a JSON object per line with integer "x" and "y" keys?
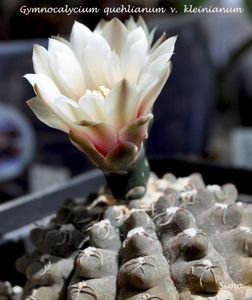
{"x": 101, "y": 92}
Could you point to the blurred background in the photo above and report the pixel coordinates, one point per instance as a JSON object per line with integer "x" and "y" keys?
{"x": 203, "y": 113}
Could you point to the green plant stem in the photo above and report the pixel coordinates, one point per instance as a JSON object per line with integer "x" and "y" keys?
{"x": 131, "y": 185}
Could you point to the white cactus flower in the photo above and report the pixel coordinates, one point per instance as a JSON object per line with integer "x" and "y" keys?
{"x": 100, "y": 87}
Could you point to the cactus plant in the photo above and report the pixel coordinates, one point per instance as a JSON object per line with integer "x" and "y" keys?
{"x": 176, "y": 238}
{"x": 182, "y": 240}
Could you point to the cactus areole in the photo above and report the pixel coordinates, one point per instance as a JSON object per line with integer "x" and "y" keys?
{"x": 100, "y": 88}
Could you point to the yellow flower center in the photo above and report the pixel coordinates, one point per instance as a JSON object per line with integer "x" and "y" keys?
{"x": 101, "y": 92}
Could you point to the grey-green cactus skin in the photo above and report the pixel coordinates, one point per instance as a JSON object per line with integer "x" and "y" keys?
{"x": 182, "y": 240}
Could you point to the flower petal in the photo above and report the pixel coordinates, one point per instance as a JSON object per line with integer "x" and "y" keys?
{"x": 57, "y": 65}
{"x": 61, "y": 39}
{"x": 146, "y": 81}
{"x": 121, "y": 104}
{"x": 149, "y": 35}
{"x": 47, "y": 91}
{"x": 131, "y": 24}
{"x": 40, "y": 60}
{"x": 99, "y": 26}
{"x": 70, "y": 108}
{"x": 137, "y": 131}
{"x": 93, "y": 106}
{"x": 79, "y": 39}
{"x": 66, "y": 69}
{"x": 85, "y": 145}
{"x": 115, "y": 33}
{"x": 167, "y": 47}
{"x": 155, "y": 68}
{"x": 141, "y": 22}
{"x": 50, "y": 90}
{"x": 56, "y": 45}
{"x": 123, "y": 156}
{"x": 102, "y": 135}
{"x": 159, "y": 41}
{"x": 150, "y": 95}
{"x": 112, "y": 69}
{"x": 45, "y": 114}
{"x": 96, "y": 52}
{"x": 134, "y": 54}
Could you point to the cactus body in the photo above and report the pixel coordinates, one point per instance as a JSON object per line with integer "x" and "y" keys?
{"x": 182, "y": 240}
